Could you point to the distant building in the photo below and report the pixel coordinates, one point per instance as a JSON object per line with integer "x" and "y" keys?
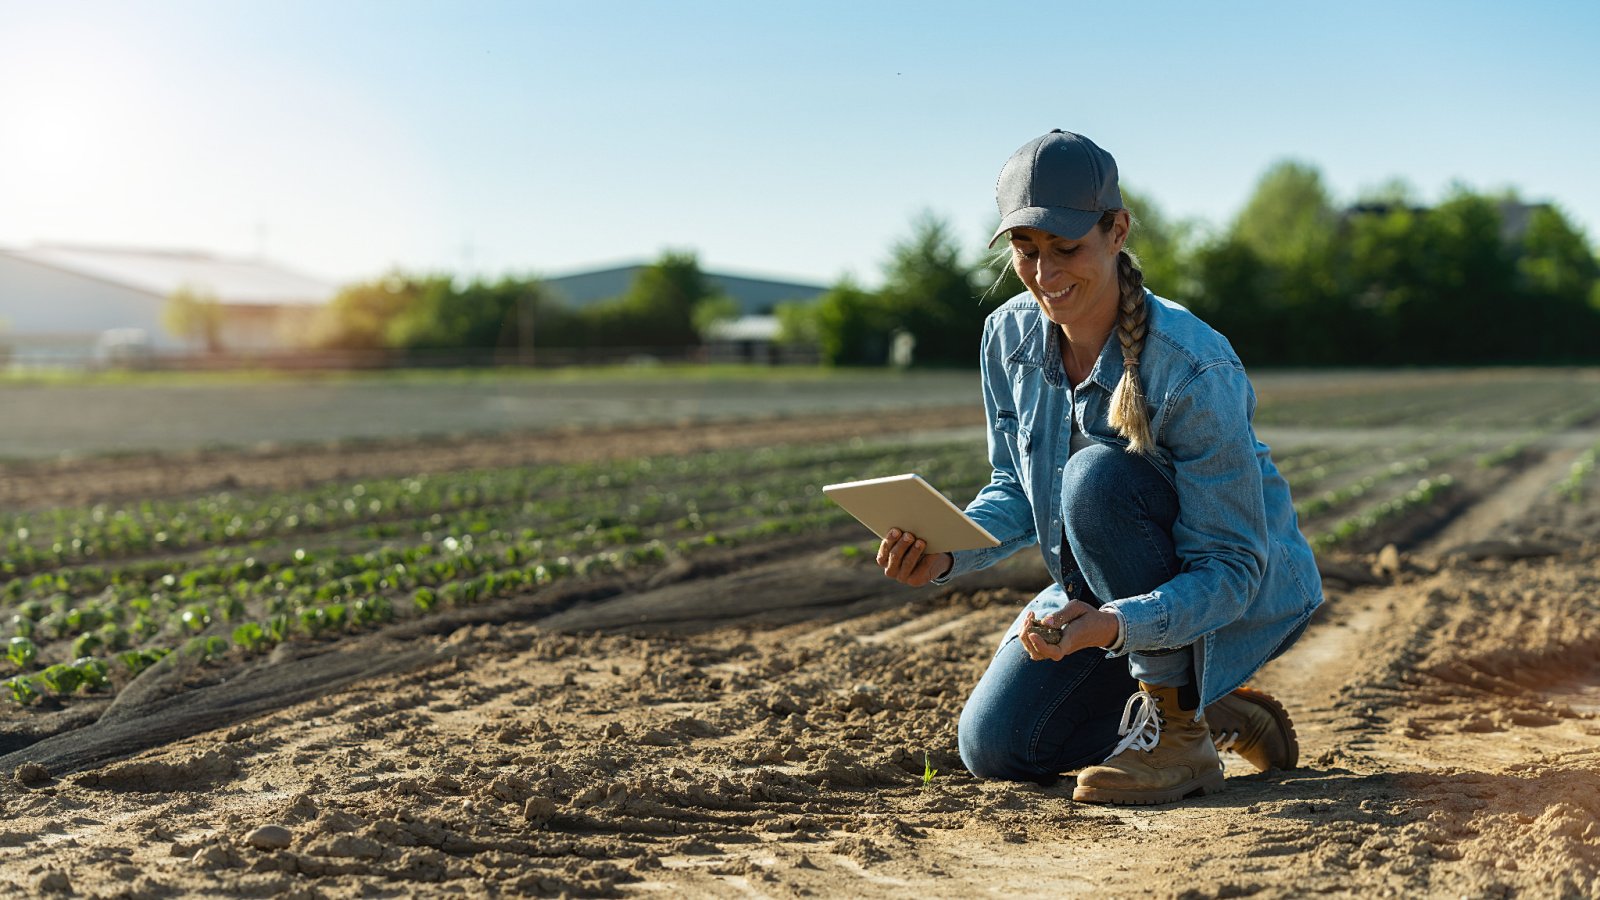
{"x": 755, "y": 296}
{"x": 1514, "y": 215}
{"x": 69, "y": 303}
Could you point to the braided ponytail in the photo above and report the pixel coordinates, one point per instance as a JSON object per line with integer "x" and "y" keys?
{"x": 1128, "y": 413}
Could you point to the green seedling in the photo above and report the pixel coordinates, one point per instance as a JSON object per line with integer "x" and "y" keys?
{"x": 251, "y": 636}
{"x": 136, "y": 661}
{"x": 928, "y": 771}
{"x": 278, "y": 628}
{"x": 195, "y": 618}
{"x": 313, "y": 620}
{"x": 22, "y": 690}
{"x": 22, "y": 626}
{"x": 61, "y": 679}
{"x": 95, "y": 673}
{"x": 21, "y": 651}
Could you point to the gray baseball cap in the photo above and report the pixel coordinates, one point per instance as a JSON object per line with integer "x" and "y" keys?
{"x": 1060, "y": 183}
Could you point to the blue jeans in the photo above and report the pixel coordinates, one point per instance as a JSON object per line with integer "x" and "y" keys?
{"x": 1031, "y": 721}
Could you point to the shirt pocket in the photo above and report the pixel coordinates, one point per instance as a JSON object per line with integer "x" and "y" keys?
{"x": 1019, "y": 438}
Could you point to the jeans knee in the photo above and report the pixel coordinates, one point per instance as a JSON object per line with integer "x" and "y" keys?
{"x": 991, "y": 744}
{"x": 1105, "y": 490}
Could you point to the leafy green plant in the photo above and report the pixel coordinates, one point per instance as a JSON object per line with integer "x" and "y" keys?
{"x": 136, "y": 661}
{"x": 22, "y": 652}
{"x": 94, "y": 672}
{"x": 86, "y": 644}
{"x": 22, "y": 689}
{"x": 928, "y": 771}
{"x": 278, "y": 628}
{"x": 195, "y": 617}
{"x": 251, "y": 636}
{"x": 61, "y": 679}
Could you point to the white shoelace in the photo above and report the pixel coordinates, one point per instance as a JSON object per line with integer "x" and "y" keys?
{"x": 1141, "y": 731}
{"x": 1227, "y": 741}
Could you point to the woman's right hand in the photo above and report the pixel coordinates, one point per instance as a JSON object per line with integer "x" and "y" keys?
{"x": 902, "y": 558}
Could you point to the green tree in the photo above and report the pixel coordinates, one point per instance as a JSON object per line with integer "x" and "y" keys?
{"x": 851, "y": 326}
{"x": 1163, "y": 247}
{"x": 1558, "y": 273}
{"x": 659, "y": 308}
{"x": 711, "y": 311}
{"x": 510, "y": 313}
{"x": 194, "y": 314}
{"x": 361, "y": 315}
{"x": 929, "y": 291}
{"x": 1289, "y": 216}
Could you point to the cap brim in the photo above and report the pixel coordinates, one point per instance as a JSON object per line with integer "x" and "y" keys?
{"x": 1057, "y": 220}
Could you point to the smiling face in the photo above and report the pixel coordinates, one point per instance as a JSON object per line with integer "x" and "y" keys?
{"x": 1075, "y": 281}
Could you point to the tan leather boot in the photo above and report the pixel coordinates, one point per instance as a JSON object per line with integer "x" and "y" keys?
{"x": 1165, "y": 755}
{"x": 1254, "y": 725}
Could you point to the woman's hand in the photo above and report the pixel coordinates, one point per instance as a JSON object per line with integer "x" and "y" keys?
{"x": 1081, "y": 626}
{"x": 902, "y": 558}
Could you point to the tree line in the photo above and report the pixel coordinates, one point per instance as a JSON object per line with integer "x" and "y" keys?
{"x": 1294, "y": 279}
{"x": 670, "y": 304}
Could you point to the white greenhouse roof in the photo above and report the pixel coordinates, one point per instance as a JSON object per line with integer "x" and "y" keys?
{"x": 244, "y": 282}
{"x": 747, "y": 328}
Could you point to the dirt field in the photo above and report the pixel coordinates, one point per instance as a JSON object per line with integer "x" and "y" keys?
{"x": 757, "y": 719}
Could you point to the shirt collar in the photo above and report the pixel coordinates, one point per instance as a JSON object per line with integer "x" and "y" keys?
{"x": 1041, "y": 347}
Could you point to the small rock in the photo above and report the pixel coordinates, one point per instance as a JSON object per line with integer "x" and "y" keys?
{"x": 32, "y": 774}
{"x": 1389, "y": 560}
{"x": 212, "y": 857}
{"x": 54, "y": 883}
{"x": 538, "y": 810}
{"x": 270, "y": 837}
{"x": 615, "y": 729}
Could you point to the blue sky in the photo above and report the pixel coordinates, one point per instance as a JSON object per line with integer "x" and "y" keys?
{"x": 346, "y": 137}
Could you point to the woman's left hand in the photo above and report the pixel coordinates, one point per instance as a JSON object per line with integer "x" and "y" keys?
{"x": 1081, "y": 626}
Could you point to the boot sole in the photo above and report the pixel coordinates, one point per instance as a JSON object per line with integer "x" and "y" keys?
{"x": 1280, "y": 715}
{"x": 1209, "y": 783}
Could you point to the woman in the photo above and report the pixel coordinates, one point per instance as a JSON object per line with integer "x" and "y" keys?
{"x": 1120, "y": 431}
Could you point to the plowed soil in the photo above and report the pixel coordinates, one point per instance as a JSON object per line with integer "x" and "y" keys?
{"x": 763, "y": 724}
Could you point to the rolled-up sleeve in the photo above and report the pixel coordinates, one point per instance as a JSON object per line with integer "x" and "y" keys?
{"x": 1221, "y": 532}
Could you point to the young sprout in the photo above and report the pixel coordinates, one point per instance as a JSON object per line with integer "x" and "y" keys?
{"x": 195, "y": 617}
{"x": 94, "y": 672}
{"x": 136, "y": 661}
{"x": 251, "y": 636}
{"x": 22, "y": 689}
{"x": 86, "y": 644}
{"x": 61, "y": 678}
{"x": 928, "y": 771}
{"x": 278, "y": 628}
{"x": 313, "y": 620}
{"x": 21, "y": 651}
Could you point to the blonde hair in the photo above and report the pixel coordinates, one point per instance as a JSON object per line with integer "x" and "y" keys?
{"x": 1129, "y": 415}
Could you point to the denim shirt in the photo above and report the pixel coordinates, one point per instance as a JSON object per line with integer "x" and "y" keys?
{"x": 1248, "y": 577}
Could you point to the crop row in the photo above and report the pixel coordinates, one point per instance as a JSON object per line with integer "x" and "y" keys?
{"x": 40, "y": 541}
{"x": 217, "y": 600}
{"x": 1426, "y": 492}
{"x": 1573, "y": 486}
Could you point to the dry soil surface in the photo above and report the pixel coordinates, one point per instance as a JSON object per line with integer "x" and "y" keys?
{"x": 760, "y": 725}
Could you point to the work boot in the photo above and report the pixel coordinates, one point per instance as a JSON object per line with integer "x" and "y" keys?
{"x": 1165, "y": 754}
{"x": 1254, "y": 725}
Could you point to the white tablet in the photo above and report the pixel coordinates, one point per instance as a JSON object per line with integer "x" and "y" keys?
{"x": 910, "y": 504}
